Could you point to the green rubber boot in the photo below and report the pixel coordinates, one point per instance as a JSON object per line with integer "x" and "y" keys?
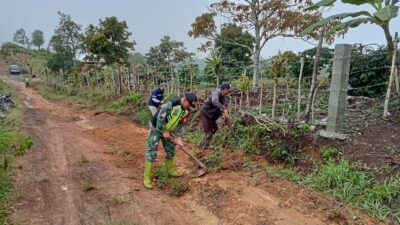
{"x": 170, "y": 168}
{"x": 147, "y": 175}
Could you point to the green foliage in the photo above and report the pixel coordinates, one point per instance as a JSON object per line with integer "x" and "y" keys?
{"x": 328, "y": 153}
{"x": 347, "y": 182}
{"x": 381, "y": 16}
{"x": 215, "y": 158}
{"x": 214, "y": 63}
{"x": 244, "y": 83}
{"x": 178, "y": 188}
{"x": 340, "y": 180}
{"x": 304, "y": 128}
{"x": 261, "y": 140}
{"x": 127, "y": 102}
{"x": 13, "y": 143}
{"x": 20, "y": 37}
{"x": 109, "y": 41}
{"x": 324, "y": 67}
{"x": 162, "y": 176}
{"x": 369, "y": 68}
{"x": 279, "y": 172}
{"x": 235, "y": 57}
{"x": 383, "y": 199}
{"x": 165, "y": 57}
{"x": 142, "y": 115}
{"x": 66, "y": 42}
{"x": 194, "y": 136}
{"x": 37, "y": 38}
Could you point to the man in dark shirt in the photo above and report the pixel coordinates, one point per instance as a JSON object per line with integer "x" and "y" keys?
{"x": 156, "y": 98}
{"x": 212, "y": 109}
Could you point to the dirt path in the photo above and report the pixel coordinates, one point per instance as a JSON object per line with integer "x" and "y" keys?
{"x": 54, "y": 185}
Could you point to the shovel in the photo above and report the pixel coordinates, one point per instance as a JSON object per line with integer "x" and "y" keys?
{"x": 202, "y": 168}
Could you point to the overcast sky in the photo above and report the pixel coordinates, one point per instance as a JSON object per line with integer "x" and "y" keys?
{"x": 148, "y": 20}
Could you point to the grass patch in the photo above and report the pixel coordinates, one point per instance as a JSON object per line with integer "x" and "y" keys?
{"x": 82, "y": 161}
{"x": 178, "y": 188}
{"x": 13, "y": 143}
{"x": 174, "y": 187}
{"x": 194, "y": 136}
{"x": 349, "y": 183}
{"x": 283, "y": 173}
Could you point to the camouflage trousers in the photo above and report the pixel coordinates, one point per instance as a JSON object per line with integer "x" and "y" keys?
{"x": 152, "y": 146}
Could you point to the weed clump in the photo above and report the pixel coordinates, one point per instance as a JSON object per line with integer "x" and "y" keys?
{"x": 350, "y": 183}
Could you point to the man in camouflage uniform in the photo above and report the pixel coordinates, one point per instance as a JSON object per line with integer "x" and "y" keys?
{"x": 165, "y": 124}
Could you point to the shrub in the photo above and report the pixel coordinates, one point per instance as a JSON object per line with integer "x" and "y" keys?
{"x": 328, "y": 153}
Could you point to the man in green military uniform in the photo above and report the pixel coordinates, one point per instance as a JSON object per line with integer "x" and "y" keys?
{"x": 165, "y": 125}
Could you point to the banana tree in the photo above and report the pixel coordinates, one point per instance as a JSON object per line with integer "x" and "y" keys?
{"x": 384, "y": 12}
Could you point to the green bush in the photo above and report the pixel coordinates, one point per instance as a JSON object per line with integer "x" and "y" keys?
{"x": 369, "y": 67}
{"x": 304, "y": 128}
{"x": 328, "y": 153}
{"x": 142, "y": 115}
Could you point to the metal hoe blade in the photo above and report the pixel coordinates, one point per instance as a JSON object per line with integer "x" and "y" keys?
{"x": 202, "y": 168}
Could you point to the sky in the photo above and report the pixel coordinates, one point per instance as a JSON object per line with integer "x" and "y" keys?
{"x": 149, "y": 21}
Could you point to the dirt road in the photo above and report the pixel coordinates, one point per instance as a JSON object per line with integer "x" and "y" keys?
{"x": 55, "y": 184}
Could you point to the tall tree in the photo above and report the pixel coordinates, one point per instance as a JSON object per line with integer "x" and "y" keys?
{"x": 268, "y": 19}
{"x": 68, "y": 35}
{"x": 110, "y": 41}
{"x": 168, "y": 55}
{"x": 136, "y": 58}
{"x": 63, "y": 56}
{"x": 20, "y": 37}
{"x": 37, "y": 38}
{"x": 236, "y": 58}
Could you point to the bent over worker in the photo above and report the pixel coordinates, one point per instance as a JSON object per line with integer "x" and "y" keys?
{"x": 212, "y": 109}
{"x": 156, "y": 98}
{"x": 165, "y": 125}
